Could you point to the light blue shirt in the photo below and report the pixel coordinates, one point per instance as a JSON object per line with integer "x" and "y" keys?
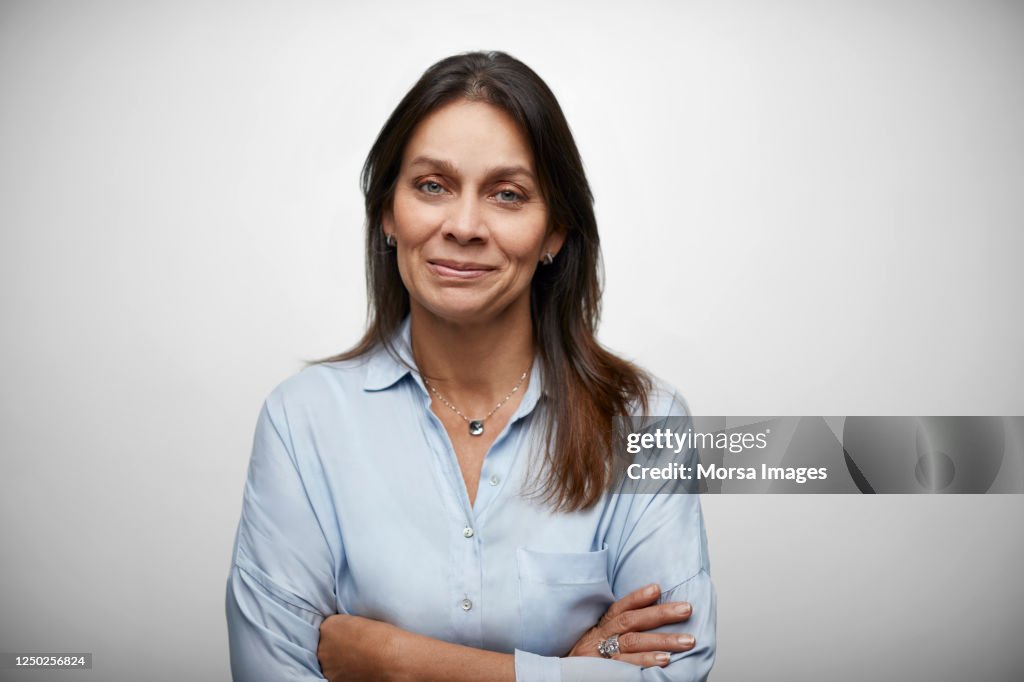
{"x": 354, "y": 503}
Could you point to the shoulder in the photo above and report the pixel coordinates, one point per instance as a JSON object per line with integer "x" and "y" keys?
{"x": 663, "y": 399}
{"x": 318, "y": 385}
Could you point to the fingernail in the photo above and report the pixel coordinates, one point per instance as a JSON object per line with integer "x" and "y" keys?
{"x": 651, "y": 590}
{"x": 661, "y": 658}
{"x": 685, "y": 640}
{"x": 682, "y": 609}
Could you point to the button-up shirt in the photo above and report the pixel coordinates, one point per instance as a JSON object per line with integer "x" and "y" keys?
{"x": 354, "y": 503}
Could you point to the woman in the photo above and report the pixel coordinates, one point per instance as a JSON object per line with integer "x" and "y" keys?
{"x": 438, "y": 502}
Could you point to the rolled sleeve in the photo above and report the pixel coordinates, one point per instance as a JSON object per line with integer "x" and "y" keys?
{"x": 280, "y": 586}
{"x": 267, "y": 639}
{"x": 534, "y": 668}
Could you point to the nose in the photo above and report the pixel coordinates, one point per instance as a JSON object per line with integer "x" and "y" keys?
{"x": 465, "y": 222}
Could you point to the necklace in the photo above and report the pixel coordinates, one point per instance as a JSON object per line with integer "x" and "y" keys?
{"x": 476, "y": 426}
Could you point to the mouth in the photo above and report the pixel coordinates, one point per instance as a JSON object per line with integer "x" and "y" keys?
{"x": 458, "y": 269}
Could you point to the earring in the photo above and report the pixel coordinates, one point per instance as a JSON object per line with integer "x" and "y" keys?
{"x": 548, "y": 258}
{"x": 391, "y": 241}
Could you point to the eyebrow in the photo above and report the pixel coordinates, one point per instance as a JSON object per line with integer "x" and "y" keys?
{"x": 449, "y": 168}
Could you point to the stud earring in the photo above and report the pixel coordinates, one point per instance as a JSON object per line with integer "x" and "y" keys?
{"x": 391, "y": 241}
{"x": 548, "y": 258}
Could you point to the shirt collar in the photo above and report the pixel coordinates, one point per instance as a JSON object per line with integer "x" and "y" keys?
{"x": 384, "y": 370}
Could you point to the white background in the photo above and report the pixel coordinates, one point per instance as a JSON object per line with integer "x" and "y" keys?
{"x": 806, "y": 208}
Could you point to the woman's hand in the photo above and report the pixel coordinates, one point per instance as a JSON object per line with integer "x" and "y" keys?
{"x": 354, "y": 648}
{"x": 630, "y": 618}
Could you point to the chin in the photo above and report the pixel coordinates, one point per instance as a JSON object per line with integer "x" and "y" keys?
{"x": 461, "y": 315}
{"x": 461, "y": 310}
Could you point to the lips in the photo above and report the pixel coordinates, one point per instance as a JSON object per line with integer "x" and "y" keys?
{"x": 458, "y": 269}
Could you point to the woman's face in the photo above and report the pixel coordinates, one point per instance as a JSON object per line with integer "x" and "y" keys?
{"x": 468, "y": 215}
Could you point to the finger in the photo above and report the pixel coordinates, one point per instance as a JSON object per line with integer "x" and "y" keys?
{"x": 646, "y": 660}
{"x": 644, "y": 642}
{"x": 645, "y": 596}
{"x": 648, "y": 618}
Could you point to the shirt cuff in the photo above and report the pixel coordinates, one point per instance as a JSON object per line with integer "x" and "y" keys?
{"x": 534, "y": 668}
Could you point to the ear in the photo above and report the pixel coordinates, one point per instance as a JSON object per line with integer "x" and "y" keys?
{"x": 387, "y": 222}
{"x": 555, "y": 240}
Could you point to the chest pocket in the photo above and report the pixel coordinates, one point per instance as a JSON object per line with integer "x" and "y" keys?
{"x": 561, "y": 596}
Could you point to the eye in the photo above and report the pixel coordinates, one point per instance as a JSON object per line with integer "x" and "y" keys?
{"x": 507, "y": 196}
{"x": 431, "y": 187}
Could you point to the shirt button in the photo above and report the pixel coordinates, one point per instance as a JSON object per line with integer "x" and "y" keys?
{"x": 466, "y": 604}
{"x": 495, "y": 480}
{"x": 467, "y": 532}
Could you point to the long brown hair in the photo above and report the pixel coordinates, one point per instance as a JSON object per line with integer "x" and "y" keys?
{"x": 586, "y": 384}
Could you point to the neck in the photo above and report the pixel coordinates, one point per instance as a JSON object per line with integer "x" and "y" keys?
{"x": 473, "y": 364}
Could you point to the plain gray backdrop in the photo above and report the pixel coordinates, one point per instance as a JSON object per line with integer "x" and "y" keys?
{"x": 806, "y": 207}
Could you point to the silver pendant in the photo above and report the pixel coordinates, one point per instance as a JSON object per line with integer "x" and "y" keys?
{"x": 476, "y": 428}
